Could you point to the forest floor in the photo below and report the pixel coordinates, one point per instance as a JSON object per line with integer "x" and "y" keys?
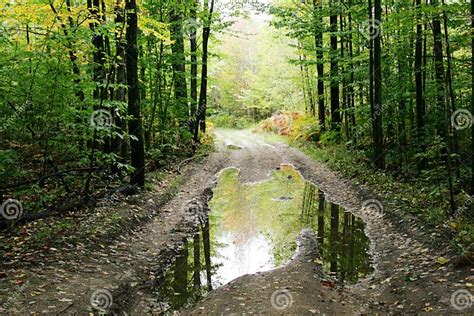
{"x": 412, "y": 267}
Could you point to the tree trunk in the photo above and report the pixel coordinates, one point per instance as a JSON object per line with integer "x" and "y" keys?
{"x": 351, "y": 79}
{"x": 99, "y": 56}
{"x": 439, "y": 73}
{"x": 321, "y": 209}
{"x": 333, "y": 246}
{"x": 120, "y": 93}
{"x": 472, "y": 95}
{"x": 443, "y": 120}
{"x": 318, "y": 39}
{"x": 335, "y": 111}
{"x": 377, "y": 115}
{"x": 181, "y": 268}
{"x": 371, "y": 71}
{"x": 345, "y": 101}
{"x": 194, "y": 73}
{"x": 135, "y": 123}
{"x": 449, "y": 77}
{"x": 206, "y": 32}
{"x": 419, "y": 86}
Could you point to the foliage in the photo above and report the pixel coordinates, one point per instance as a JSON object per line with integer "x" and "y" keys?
{"x": 64, "y": 102}
{"x": 226, "y": 120}
{"x": 296, "y": 125}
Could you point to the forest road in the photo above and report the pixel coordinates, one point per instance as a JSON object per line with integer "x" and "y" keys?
{"x": 122, "y": 276}
{"x": 408, "y": 276}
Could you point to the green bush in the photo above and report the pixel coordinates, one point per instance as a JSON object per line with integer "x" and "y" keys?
{"x": 229, "y": 121}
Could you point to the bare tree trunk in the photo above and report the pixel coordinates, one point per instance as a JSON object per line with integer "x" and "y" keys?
{"x": 449, "y": 76}
{"x": 321, "y": 209}
{"x": 99, "y": 56}
{"x": 181, "y": 271}
{"x": 333, "y": 247}
{"x": 351, "y": 85}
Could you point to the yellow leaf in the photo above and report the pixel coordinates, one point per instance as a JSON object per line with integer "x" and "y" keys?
{"x": 443, "y": 260}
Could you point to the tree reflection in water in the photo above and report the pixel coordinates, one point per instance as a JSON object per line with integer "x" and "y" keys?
{"x": 253, "y": 228}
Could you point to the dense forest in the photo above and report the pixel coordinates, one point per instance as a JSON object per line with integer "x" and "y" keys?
{"x": 393, "y": 79}
{"x": 108, "y": 101}
{"x": 96, "y": 91}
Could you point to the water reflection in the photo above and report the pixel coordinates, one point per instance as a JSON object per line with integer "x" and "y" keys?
{"x": 190, "y": 276}
{"x": 253, "y": 227}
{"x": 343, "y": 244}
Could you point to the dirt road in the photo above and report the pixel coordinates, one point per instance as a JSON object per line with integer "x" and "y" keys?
{"x": 408, "y": 276}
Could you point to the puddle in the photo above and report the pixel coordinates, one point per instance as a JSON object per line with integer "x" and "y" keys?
{"x": 253, "y": 228}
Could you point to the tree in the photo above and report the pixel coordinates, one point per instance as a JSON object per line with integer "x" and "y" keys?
{"x": 335, "y": 111}
{"x": 420, "y": 99}
{"x": 194, "y": 72}
{"x": 179, "y": 62}
{"x": 135, "y": 123}
{"x": 379, "y": 159}
{"x": 206, "y": 32}
{"x": 472, "y": 95}
{"x": 318, "y": 40}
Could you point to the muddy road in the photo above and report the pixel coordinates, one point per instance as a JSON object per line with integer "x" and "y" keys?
{"x": 289, "y": 267}
{"x": 406, "y": 276}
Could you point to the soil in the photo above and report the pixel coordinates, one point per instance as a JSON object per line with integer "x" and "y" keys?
{"x": 413, "y": 267}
